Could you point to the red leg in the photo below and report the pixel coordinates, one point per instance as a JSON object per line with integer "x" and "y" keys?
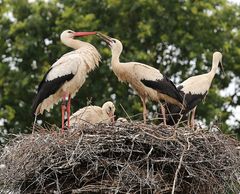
{"x": 63, "y": 106}
{"x": 144, "y": 110}
{"x": 192, "y": 123}
{"x": 68, "y": 109}
{"x": 163, "y": 114}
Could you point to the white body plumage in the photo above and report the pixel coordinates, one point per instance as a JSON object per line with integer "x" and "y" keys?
{"x": 133, "y": 73}
{"x": 146, "y": 80}
{"x": 200, "y": 84}
{"x": 194, "y": 89}
{"x": 67, "y": 75}
{"x": 93, "y": 115}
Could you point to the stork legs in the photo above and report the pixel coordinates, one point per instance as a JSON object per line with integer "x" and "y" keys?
{"x": 66, "y": 108}
{"x": 144, "y": 110}
{"x": 163, "y": 114}
{"x": 191, "y": 117}
{"x": 63, "y": 108}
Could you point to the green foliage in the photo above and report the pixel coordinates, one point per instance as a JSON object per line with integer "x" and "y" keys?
{"x": 169, "y": 35}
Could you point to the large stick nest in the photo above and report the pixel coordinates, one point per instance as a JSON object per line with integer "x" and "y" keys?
{"x": 124, "y": 158}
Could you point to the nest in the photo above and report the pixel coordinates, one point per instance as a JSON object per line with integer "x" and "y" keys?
{"x": 121, "y": 158}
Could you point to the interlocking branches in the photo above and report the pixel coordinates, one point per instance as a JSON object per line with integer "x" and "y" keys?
{"x": 123, "y": 158}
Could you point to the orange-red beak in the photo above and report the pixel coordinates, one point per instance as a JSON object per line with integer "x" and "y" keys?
{"x": 83, "y": 33}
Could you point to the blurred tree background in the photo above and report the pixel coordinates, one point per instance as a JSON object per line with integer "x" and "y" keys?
{"x": 176, "y": 36}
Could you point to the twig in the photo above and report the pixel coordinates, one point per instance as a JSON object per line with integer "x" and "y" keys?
{"x": 128, "y": 157}
{"x": 125, "y": 112}
{"x": 178, "y": 168}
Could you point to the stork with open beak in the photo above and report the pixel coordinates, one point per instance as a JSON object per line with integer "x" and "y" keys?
{"x": 67, "y": 75}
{"x": 146, "y": 80}
{"x": 194, "y": 90}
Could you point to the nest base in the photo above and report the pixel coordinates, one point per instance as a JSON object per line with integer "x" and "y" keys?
{"x": 124, "y": 158}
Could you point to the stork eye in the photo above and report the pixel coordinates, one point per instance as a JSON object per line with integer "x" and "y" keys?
{"x": 69, "y": 31}
{"x": 114, "y": 41}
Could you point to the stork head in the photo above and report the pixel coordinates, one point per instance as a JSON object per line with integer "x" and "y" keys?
{"x": 115, "y": 44}
{"x": 109, "y": 108}
{"x": 71, "y": 34}
{"x": 67, "y": 36}
{"x": 122, "y": 120}
{"x": 217, "y": 59}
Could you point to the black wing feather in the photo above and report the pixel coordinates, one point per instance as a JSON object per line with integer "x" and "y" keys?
{"x": 43, "y": 80}
{"x": 191, "y": 100}
{"x": 47, "y": 88}
{"x": 165, "y": 86}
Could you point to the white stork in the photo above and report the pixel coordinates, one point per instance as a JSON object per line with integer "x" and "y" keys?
{"x": 141, "y": 77}
{"x": 194, "y": 90}
{"x": 67, "y": 74}
{"x": 93, "y": 115}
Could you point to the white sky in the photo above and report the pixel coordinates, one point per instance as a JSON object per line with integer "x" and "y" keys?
{"x": 235, "y": 1}
{"x": 231, "y": 89}
{"x": 228, "y": 92}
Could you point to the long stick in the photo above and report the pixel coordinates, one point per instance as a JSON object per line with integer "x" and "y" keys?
{"x": 34, "y": 123}
{"x": 125, "y": 112}
{"x": 179, "y": 166}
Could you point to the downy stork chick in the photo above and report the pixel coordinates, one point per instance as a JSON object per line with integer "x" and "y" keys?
{"x": 93, "y": 115}
{"x": 194, "y": 90}
{"x": 121, "y": 120}
{"x": 67, "y": 75}
{"x": 142, "y": 77}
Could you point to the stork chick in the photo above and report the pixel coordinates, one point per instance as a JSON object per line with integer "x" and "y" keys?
{"x": 142, "y": 77}
{"x": 121, "y": 120}
{"x": 93, "y": 115}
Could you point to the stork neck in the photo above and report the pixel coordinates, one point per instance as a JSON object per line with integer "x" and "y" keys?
{"x": 214, "y": 69}
{"x": 115, "y": 58}
{"x": 75, "y": 44}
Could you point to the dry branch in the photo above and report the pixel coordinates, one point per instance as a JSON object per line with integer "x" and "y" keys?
{"x": 123, "y": 158}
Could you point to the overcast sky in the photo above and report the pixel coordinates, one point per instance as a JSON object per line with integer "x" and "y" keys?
{"x": 235, "y": 1}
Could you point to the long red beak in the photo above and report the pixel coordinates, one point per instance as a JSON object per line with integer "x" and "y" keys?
{"x": 83, "y": 33}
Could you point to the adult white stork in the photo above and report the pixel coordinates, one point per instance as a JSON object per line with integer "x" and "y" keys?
{"x": 93, "y": 115}
{"x": 194, "y": 90}
{"x": 141, "y": 77}
{"x": 67, "y": 74}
